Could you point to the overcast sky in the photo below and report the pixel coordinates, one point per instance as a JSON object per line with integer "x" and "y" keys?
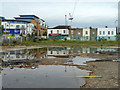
{"x": 95, "y": 13}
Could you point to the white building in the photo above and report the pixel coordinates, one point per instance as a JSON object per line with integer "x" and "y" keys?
{"x": 58, "y": 31}
{"x": 17, "y": 27}
{"x": 106, "y": 34}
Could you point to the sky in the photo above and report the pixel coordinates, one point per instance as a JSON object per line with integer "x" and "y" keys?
{"x": 95, "y": 13}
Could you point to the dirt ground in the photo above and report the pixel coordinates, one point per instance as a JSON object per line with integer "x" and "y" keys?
{"x": 108, "y": 71}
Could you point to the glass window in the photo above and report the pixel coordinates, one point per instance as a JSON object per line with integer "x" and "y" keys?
{"x": 72, "y": 32}
{"x": 64, "y": 31}
{"x": 78, "y": 32}
{"x": 103, "y": 32}
{"x": 86, "y": 32}
{"x": 100, "y": 32}
{"x": 108, "y": 32}
{"x": 17, "y": 26}
{"x": 51, "y": 31}
{"x": 112, "y": 32}
{"x": 11, "y": 25}
{"x": 93, "y": 32}
{"x": 57, "y": 31}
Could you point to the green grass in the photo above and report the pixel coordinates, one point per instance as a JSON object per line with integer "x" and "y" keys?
{"x": 70, "y": 43}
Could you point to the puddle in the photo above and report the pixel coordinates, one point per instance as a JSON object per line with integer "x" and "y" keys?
{"x": 46, "y": 76}
{"x": 81, "y": 60}
{"x": 36, "y": 72}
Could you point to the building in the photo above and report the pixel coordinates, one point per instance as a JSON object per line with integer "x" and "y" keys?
{"x": 76, "y": 33}
{"x": 106, "y": 34}
{"x": 58, "y": 31}
{"x": 39, "y": 24}
{"x": 16, "y": 28}
{"x": 93, "y": 33}
{"x": 86, "y": 34}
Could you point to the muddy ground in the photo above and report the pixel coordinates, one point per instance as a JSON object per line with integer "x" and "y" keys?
{"x": 108, "y": 71}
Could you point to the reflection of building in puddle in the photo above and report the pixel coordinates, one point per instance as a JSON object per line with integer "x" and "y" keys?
{"x": 83, "y": 50}
{"x": 24, "y": 55}
{"x": 57, "y": 52}
{"x": 23, "y": 58}
{"x": 107, "y": 49}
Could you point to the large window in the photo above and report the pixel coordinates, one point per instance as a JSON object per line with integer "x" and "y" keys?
{"x": 72, "y": 32}
{"x": 108, "y": 32}
{"x": 17, "y": 26}
{"x": 57, "y": 31}
{"x": 103, "y": 32}
{"x": 112, "y": 32}
{"x": 51, "y": 31}
{"x": 100, "y": 32}
{"x": 64, "y": 31}
{"x": 86, "y": 32}
{"x": 78, "y": 32}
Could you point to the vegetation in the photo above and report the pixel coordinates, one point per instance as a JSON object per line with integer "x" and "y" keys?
{"x": 70, "y": 43}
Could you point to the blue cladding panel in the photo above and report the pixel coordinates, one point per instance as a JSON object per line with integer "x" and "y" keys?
{"x": 12, "y": 31}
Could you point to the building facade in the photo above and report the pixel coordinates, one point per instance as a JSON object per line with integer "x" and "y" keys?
{"x": 76, "y": 33}
{"x": 16, "y": 27}
{"x": 86, "y": 34}
{"x": 39, "y": 24}
{"x": 58, "y": 31}
{"x": 93, "y": 33}
{"x": 106, "y": 34}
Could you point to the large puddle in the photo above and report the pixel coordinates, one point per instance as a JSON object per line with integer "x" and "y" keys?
{"x": 50, "y": 76}
{"x": 45, "y": 67}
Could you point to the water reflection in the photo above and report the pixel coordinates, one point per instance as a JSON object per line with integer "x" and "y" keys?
{"x": 41, "y": 68}
{"x": 50, "y": 76}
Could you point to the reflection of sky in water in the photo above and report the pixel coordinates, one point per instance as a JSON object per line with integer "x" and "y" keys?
{"x": 46, "y": 76}
{"x": 81, "y": 60}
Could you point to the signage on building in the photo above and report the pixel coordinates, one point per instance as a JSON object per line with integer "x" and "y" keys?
{"x": 54, "y": 34}
{"x": 10, "y": 31}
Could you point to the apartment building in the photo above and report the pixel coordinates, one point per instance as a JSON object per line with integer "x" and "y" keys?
{"x": 39, "y": 24}
{"x": 17, "y": 27}
{"x": 106, "y": 34}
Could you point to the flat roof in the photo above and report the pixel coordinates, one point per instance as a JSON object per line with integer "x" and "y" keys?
{"x": 15, "y": 20}
{"x": 30, "y": 15}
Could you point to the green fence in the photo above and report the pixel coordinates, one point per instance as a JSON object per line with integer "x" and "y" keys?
{"x": 85, "y": 38}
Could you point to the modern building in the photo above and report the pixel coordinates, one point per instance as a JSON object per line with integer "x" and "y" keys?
{"x": 58, "y": 31}
{"x": 39, "y": 24}
{"x": 17, "y": 27}
{"x": 86, "y": 34}
{"x": 106, "y": 34}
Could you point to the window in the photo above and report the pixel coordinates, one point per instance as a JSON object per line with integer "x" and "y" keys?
{"x": 11, "y": 25}
{"x": 57, "y": 31}
{"x": 100, "y": 32}
{"x": 93, "y": 32}
{"x": 17, "y": 26}
{"x": 108, "y": 32}
{"x": 64, "y": 31}
{"x": 86, "y": 32}
{"x": 78, "y": 32}
{"x": 112, "y": 32}
{"x": 7, "y": 25}
{"x": 72, "y": 32}
{"x": 103, "y": 32}
{"x": 51, "y": 31}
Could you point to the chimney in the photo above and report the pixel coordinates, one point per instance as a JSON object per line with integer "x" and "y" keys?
{"x": 106, "y": 26}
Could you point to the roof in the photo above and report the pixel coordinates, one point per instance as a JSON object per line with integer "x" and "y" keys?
{"x": 62, "y": 27}
{"x": 23, "y": 18}
{"x": 29, "y": 15}
{"x": 15, "y": 20}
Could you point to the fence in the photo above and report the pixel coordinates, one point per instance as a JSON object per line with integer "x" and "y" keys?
{"x": 85, "y": 38}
